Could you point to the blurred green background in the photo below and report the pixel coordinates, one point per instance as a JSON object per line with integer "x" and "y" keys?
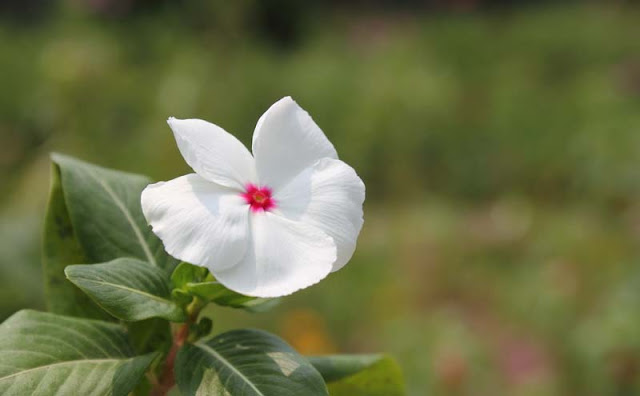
{"x": 499, "y": 142}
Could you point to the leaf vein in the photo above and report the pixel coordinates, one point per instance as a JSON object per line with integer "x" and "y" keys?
{"x": 229, "y": 366}
{"x": 132, "y": 290}
{"x": 127, "y": 215}
{"x": 59, "y": 364}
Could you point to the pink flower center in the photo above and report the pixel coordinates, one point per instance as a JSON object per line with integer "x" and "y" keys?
{"x": 259, "y": 198}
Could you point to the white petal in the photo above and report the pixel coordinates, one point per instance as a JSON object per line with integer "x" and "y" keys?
{"x": 286, "y": 141}
{"x": 198, "y": 221}
{"x": 283, "y": 256}
{"x": 213, "y": 153}
{"x": 329, "y": 196}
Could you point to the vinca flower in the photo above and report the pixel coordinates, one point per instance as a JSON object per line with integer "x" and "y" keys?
{"x": 266, "y": 224}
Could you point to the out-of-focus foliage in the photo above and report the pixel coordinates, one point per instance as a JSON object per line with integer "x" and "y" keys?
{"x": 500, "y": 150}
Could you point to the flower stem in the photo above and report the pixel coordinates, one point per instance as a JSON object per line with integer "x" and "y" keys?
{"x": 167, "y": 379}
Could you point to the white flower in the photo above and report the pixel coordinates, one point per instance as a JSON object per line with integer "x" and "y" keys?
{"x": 264, "y": 225}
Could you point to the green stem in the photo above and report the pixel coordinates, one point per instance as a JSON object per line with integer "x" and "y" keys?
{"x": 193, "y": 309}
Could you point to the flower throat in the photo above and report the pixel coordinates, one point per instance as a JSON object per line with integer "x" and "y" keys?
{"x": 258, "y": 198}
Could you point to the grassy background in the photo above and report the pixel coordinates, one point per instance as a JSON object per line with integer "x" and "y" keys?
{"x": 499, "y": 145}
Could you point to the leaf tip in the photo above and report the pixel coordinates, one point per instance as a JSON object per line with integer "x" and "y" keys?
{"x": 56, "y": 157}
{"x": 69, "y": 271}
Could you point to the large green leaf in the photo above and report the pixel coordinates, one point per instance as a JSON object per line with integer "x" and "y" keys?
{"x": 94, "y": 215}
{"x": 43, "y": 354}
{"x": 245, "y": 363}
{"x": 215, "y": 291}
{"x": 105, "y": 211}
{"x": 60, "y": 248}
{"x": 128, "y": 289}
{"x": 360, "y": 375}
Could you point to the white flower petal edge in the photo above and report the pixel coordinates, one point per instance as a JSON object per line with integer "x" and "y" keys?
{"x": 328, "y": 195}
{"x": 198, "y": 221}
{"x": 286, "y": 141}
{"x": 213, "y": 153}
{"x": 283, "y": 256}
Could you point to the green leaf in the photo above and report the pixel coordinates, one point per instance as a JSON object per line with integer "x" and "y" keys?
{"x": 46, "y": 354}
{"x": 201, "y": 329}
{"x": 130, "y": 373}
{"x": 335, "y": 367}
{"x": 94, "y": 215}
{"x": 128, "y": 289}
{"x": 191, "y": 279}
{"x": 106, "y": 215}
{"x": 60, "y": 248}
{"x": 360, "y": 375}
{"x": 216, "y": 292}
{"x": 181, "y": 297}
{"x": 185, "y": 273}
{"x": 150, "y": 335}
{"x": 248, "y": 363}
